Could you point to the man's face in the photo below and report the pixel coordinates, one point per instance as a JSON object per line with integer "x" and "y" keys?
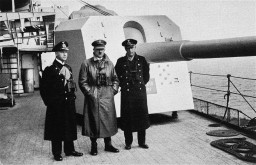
{"x": 99, "y": 52}
{"x": 130, "y": 50}
{"x": 62, "y": 55}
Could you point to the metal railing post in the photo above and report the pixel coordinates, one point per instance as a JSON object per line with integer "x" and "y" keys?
{"x": 238, "y": 119}
{"x": 228, "y": 94}
{"x": 207, "y": 105}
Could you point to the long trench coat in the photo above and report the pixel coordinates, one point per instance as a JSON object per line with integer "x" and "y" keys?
{"x": 99, "y": 107}
{"x": 60, "y": 120}
{"x": 133, "y": 77}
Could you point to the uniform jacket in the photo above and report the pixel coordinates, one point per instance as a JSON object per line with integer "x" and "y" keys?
{"x": 133, "y": 77}
{"x": 60, "y": 121}
{"x": 99, "y": 107}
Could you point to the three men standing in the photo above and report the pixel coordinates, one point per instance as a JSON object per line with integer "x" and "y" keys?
{"x": 57, "y": 90}
{"x": 133, "y": 73}
{"x": 99, "y": 83}
{"x": 98, "y": 80}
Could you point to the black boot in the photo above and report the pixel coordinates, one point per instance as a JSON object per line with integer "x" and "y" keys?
{"x": 108, "y": 145}
{"x": 110, "y": 148}
{"x": 94, "y": 150}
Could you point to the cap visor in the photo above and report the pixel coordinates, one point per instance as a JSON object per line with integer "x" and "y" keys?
{"x": 130, "y": 46}
{"x": 99, "y": 47}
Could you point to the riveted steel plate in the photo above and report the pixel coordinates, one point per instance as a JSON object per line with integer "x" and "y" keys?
{"x": 222, "y": 133}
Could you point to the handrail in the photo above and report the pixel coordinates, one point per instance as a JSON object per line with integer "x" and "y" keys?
{"x": 208, "y": 74}
{"x": 242, "y": 95}
{"x": 228, "y": 92}
{"x": 221, "y": 75}
{"x": 221, "y": 105}
{"x": 243, "y": 78}
{"x": 221, "y": 91}
{"x": 208, "y": 88}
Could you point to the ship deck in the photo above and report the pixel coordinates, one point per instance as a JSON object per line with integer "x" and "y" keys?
{"x": 180, "y": 141}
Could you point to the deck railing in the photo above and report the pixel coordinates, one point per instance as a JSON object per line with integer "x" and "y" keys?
{"x": 224, "y": 113}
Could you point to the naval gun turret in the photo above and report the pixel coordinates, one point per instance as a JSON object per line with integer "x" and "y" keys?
{"x": 159, "y": 40}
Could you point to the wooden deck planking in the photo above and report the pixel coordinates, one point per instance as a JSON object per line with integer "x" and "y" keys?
{"x": 182, "y": 141}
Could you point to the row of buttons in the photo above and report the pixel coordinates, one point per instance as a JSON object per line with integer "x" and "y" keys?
{"x": 129, "y": 89}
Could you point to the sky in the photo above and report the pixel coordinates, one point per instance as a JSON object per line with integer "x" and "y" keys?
{"x": 197, "y": 19}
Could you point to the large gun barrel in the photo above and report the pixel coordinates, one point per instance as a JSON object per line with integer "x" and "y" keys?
{"x": 188, "y": 50}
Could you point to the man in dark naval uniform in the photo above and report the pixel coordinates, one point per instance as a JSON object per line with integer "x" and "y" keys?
{"x": 133, "y": 73}
{"x": 57, "y": 90}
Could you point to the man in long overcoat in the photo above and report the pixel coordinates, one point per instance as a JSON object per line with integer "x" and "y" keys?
{"x": 99, "y": 83}
{"x": 133, "y": 73}
{"x": 57, "y": 90}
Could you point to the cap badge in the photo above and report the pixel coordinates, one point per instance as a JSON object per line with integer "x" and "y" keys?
{"x": 64, "y": 45}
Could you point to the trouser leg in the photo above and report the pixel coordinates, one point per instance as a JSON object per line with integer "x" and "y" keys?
{"x": 69, "y": 146}
{"x": 141, "y": 137}
{"x": 94, "y": 150}
{"x": 128, "y": 137}
{"x": 93, "y": 140}
{"x": 107, "y": 141}
{"x": 56, "y": 147}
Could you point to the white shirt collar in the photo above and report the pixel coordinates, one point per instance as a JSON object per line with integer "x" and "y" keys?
{"x": 60, "y": 61}
{"x": 97, "y": 58}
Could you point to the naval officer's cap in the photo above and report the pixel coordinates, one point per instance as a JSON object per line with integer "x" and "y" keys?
{"x": 99, "y": 44}
{"x": 61, "y": 46}
{"x": 129, "y": 43}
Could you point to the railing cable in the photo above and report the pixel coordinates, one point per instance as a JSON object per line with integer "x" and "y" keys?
{"x": 243, "y": 78}
{"x": 222, "y": 91}
{"x": 208, "y": 88}
{"x": 228, "y": 92}
{"x": 242, "y": 96}
{"x": 209, "y": 74}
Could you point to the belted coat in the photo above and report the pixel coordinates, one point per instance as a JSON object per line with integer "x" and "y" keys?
{"x": 99, "y": 107}
{"x": 60, "y": 120}
{"x": 133, "y": 76}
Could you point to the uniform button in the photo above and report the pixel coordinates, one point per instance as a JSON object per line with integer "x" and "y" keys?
{"x": 127, "y": 89}
{"x": 126, "y": 77}
{"x": 139, "y": 70}
{"x": 140, "y": 76}
{"x": 126, "y": 71}
{"x": 127, "y": 83}
{"x": 66, "y": 98}
{"x": 65, "y": 91}
{"x": 140, "y": 88}
{"x": 138, "y": 64}
{"x": 121, "y": 76}
{"x": 140, "y": 82}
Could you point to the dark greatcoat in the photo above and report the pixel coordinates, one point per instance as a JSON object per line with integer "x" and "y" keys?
{"x": 60, "y": 121}
{"x": 99, "y": 107}
{"x": 133, "y": 76}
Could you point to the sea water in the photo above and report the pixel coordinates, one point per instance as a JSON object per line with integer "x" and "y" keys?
{"x": 237, "y": 67}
